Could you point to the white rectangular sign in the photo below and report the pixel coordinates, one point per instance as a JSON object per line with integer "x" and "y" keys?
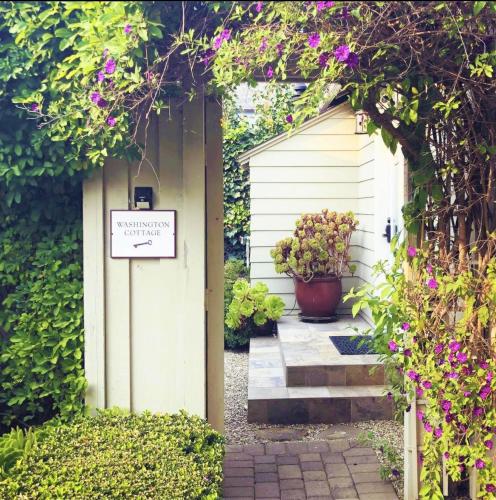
{"x": 143, "y": 234}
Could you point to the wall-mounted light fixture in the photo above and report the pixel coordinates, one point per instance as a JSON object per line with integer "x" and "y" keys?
{"x": 143, "y": 198}
{"x": 361, "y": 120}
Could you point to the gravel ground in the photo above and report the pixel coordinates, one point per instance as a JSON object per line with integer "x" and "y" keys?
{"x": 239, "y": 431}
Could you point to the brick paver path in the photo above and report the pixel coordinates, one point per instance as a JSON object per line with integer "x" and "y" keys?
{"x": 334, "y": 469}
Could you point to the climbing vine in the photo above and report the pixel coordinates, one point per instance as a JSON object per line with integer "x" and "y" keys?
{"x": 424, "y": 72}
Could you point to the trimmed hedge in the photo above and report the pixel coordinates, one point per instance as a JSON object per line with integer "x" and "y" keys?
{"x": 117, "y": 455}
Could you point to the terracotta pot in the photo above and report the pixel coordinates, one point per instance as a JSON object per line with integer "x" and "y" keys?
{"x": 319, "y": 297}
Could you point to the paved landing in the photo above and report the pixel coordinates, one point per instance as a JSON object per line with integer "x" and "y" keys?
{"x": 333, "y": 470}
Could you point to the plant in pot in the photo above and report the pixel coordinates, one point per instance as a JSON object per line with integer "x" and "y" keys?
{"x": 316, "y": 256}
{"x": 252, "y": 311}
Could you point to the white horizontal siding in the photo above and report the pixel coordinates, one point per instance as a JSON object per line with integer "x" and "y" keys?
{"x": 311, "y": 142}
{"x": 303, "y": 190}
{"x": 297, "y": 206}
{"x": 334, "y": 174}
{"x": 337, "y": 125}
{"x": 304, "y": 158}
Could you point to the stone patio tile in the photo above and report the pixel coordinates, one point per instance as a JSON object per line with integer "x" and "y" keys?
{"x": 305, "y": 466}
{"x": 254, "y": 449}
{"x": 237, "y": 456}
{"x": 318, "y": 446}
{"x": 310, "y": 457}
{"x": 275, "y": 448}
{"x": 372, "y": 408}
{"x": 239, "y": 481}
{"x": 265, "y": 459}
{"x": 289, "y": 472}
{"x": 379, "y": 496}
{"x": 354, "y": 468}
{"x": 287, "y": 459}
{"x": 297, "y": 447}
{"x": 234, "y": 448}
{"x": 293, "y": 495}
{"x": 341, "y": 482}
{"x": 339, "y": 445}
{"x": 237, "y": 463}
{"x": 332, "y": 458}
{"x": 314, "y": 475}
{"x": 239, "y": 498}
{"x": 265, "y": 468}
{"x": 367, "y": 477}
{"x": 239, "y": 491}
{"x": 317, "y": 488}
{"x": 375, "y": 487}
{"x": 266, "y": 477}
{"x": 292, "y": 484}
{"x": 354, "y": 452}
{"x": 342, "y": 493}
{"x": 267, "y": 490}
{"x": 238, "y": 472}
{"x": 337, "y": 470}
{"x": 363, "y": 459}
{"x": 363, "y": 375}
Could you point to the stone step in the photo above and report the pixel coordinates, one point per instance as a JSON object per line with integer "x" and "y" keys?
{"x": 318, "y": 405}
{"x": 309, "y": 357}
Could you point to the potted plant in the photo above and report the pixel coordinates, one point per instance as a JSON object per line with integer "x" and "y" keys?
{"x": 252, "y": 311}
{"x": 316, "y": 257}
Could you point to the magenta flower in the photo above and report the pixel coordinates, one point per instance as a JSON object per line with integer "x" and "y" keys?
{"x": 449, "y": 418}
{"x": 438, "y": 432}
{"x": 35, "y": 108}
{"x": 432, "y": 283}
{"x": 127, "y": 29}
{"x": 489, "y": 376}
{"x": 100, "y": 76}
{"x": 405, "y": 326}
{"x": 393, "y": 346}
{"x": 263, "y": 45}
{"x": 324, "y": 59}
{"x": 429, "y": 269}
{"x": 111, "y": 121}
{"x": 389, "y": 396}
{"x": 461, "y": 357}
{"x": 428, "y": 427}
{"x": 258, "y": 6}
{"x": 484, "y": 365}
{"x": 95, "y": 97}
{"x": 279, "y": 49}
{"x": 438, "y": 349}
{"x": 407, "y": 353}
{"x": 446, "y": 455}
{"x": 454, "y": 346}
{"x": 485, "y": 391}
{"x": 420, "y": 392}
{"x": 289, "y": 118}
{"x": 491, "y": 488}
{"x": 342, "y": 53}
{"x": 345, "y": 13}
{"x": 102, "y": 103}
{"x": 478, "y": 411}
{"x": 324, "y": 5}
{"x": 219, "y": 40}
{"x": 314, "y": 40}
{"x": 467, "y": 393}
{"x": 270, "y": 72}
{"x": 207, "y": 56}
{"x": 452, "y": 375}
{"x": 412, "y": 375}
{"x": 420, "y": 414}
{"x": 488, "y": 444}
{"x": 427, "y": 384}
{"x": 352, "y": 60}
{"x": 479, "y": 464}
{"x": 110, "y": 66}
{"x": 446, "y": 405}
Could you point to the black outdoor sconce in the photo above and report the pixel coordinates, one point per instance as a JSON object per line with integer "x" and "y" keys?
{"x": 143, "y": 198}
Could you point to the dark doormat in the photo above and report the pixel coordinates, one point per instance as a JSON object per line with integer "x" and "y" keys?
{"x": 352, "y": 344}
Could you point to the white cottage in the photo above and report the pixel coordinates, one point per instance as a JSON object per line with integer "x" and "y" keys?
{"x": 323, "y": 164}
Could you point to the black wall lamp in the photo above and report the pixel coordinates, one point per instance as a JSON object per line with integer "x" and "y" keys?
{"x": 143, "y": 198}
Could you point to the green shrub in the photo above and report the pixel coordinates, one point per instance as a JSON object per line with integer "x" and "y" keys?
{"x": 13, "y": 446}
{"x": 233, "y": 270}
{"x": 117, "y": 455}
{"x": 251, "y": 309}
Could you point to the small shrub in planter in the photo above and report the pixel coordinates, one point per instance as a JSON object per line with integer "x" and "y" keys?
{"x": 316, "y": 257}
{"x": 252, "y": 311}
{"x": 121, "y": 456}
{"x": 234, "y": 269}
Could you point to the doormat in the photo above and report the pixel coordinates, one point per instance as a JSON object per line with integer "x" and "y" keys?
{"x": 352, "y": 345}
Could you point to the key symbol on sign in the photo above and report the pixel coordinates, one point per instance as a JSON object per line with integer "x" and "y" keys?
{"x": 136, "y": 245}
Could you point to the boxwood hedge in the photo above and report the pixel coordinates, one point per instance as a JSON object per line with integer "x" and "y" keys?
{"x": 116, "y": 455}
